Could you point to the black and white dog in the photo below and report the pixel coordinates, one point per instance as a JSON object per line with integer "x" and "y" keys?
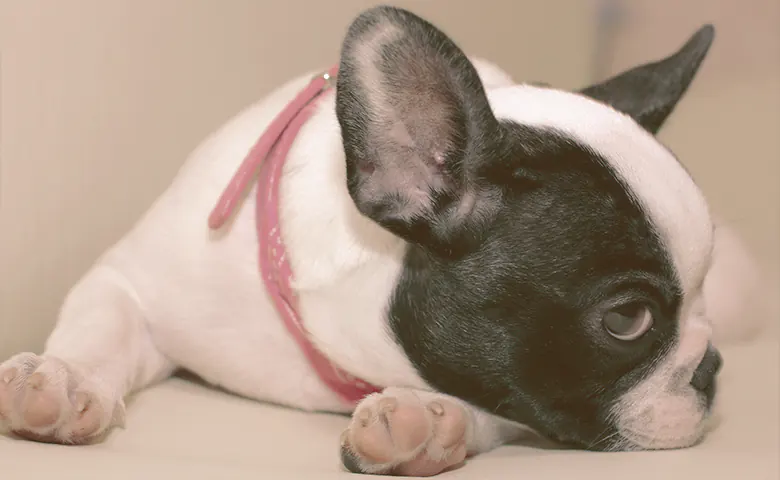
{"x": 495, "y": 256}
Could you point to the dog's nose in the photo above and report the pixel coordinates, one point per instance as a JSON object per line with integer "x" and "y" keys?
{"x": 709, "y": 367}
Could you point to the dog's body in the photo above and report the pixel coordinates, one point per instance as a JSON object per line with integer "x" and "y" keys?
{"x": 172, "y": 295}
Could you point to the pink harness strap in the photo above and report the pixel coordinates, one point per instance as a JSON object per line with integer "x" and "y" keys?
{"x": 268, "y": 156}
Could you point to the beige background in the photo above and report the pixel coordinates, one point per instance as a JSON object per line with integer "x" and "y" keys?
{"x": 101, "y": 101}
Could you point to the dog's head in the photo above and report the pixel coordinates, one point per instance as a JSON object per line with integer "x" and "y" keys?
{"x": 557, "y": 250}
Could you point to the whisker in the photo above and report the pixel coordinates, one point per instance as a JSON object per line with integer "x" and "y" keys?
{"x": 602, "y": 440}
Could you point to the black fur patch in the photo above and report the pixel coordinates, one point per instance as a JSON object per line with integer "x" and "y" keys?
{"x": 514, "y": 327}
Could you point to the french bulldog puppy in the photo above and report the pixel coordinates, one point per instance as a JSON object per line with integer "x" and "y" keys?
{"x": 496, "y": 256}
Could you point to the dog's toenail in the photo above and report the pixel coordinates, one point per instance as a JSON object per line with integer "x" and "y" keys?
{"x": 436, "y": 408}
{"x": 36, "y": 381}
{"x": 9, "y": 375}
{"x": 81, "y": 401}
{"x": 387, "y": 405}
{"x": 364, "y": 416}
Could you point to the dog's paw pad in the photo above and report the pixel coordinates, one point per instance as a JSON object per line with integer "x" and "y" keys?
{"x": 45, "y": 400}
{"x": 401, "y": 434}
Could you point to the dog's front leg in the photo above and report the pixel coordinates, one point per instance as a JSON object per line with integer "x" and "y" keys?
{"x": 99, "y": 352}
{"x": 416, "y": 433}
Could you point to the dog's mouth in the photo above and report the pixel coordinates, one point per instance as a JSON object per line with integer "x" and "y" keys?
{"x": 633, "y": 438}
{"x": 630, "y": 441}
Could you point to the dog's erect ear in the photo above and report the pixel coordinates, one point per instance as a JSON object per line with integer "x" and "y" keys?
{"x": 650, "y": 92}
{"x": 415, "y": 124}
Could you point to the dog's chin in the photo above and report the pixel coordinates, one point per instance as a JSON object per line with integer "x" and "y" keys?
{"x": 632, "y": 437}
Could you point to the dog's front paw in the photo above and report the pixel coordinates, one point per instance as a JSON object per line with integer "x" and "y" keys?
{"x": 46, "y": 400}
{"x": 403, "y": 432}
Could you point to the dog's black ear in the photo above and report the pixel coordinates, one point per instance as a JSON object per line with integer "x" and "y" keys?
{"x": 650, "y": 92}
{"x": 416, "y": 127}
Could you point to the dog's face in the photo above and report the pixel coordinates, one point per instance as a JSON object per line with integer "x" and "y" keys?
{"x": 556, "y": 249}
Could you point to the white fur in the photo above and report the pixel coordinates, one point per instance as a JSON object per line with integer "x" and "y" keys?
{"x": 171, "y": 293}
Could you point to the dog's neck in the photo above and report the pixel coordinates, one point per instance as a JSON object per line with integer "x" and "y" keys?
{"x": 345, "y": 267}
{"x": 324, "y": 234}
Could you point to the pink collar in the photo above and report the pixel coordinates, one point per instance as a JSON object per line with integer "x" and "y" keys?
{"x": 268, "y": 155}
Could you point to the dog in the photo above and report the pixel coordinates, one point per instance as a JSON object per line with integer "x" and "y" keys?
{"x": 469, "y": 257}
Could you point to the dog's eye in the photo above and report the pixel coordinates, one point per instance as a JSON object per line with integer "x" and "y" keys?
{"x": 628, "y": 322}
